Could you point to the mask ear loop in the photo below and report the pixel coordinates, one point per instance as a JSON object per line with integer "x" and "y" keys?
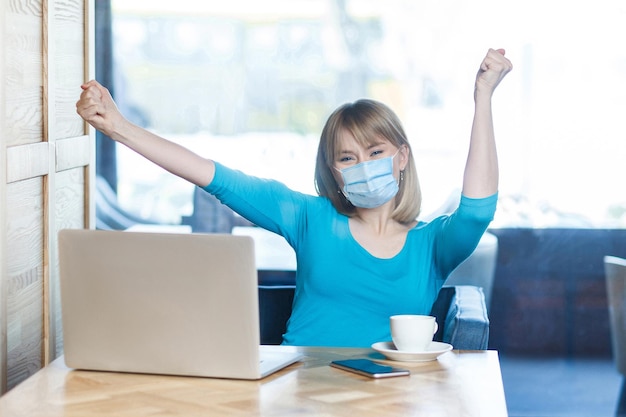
{"x": 401, "y": 172}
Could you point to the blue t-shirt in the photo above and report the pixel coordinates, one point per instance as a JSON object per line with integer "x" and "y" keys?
{"x": 344, "y": 295}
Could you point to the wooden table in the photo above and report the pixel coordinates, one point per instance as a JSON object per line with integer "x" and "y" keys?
{"x": 459, "y": 383}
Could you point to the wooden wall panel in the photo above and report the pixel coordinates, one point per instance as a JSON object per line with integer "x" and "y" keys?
{"x": 69, "y": 213}
{"x": 64, "y": 68}
{"x": 68, "y": 67}
{"x": 70, "y": 193}
{"x": 72, "y": 153}
{"x": 24, "y": 281}
{"x": 23, "y": 77}
{"x": 26, "y": 155}
{"x": 47, "y": 157}
{"x": 27, "y": 161}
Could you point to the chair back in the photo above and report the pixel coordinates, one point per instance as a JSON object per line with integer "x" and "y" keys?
{"x": 479, "y": 269}
{"x": 211, "y": 216}
{"x": 462, "y": 316}
{"x": 615, "y": 274}
{"x": 460, "y": 310}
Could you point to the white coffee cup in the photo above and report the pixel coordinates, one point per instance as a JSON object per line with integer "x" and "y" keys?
{"x": 412, "y": 333}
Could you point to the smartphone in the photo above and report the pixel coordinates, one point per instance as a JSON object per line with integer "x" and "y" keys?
{"x": 369, "y": 368}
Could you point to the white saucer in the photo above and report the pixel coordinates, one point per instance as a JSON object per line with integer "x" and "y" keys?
{"x": 434, "y": 350}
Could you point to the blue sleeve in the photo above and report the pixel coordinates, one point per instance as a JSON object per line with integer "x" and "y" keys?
{"x": 267, "y": 203}
{"x": 461, "y": 231}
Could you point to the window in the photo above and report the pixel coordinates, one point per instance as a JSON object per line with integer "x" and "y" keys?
{"x": 250, "y": 84}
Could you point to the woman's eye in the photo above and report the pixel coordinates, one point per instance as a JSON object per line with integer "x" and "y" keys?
{"x": 376, "y": 153}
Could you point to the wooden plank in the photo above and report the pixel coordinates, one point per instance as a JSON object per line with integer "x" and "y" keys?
{"x": 89, "y": 37}
{"x": 65, "y": 207}
{"x": 89, "y": 68}
{"x": 69, "y": 213}
{"x": 69, "y": 195}
{"x": 27, "y": 158}
{"x": 24, "y": 325}
{"x": 3, "y": 217}
{"x": 24, "y": 204}
{"x": 27, "y": 161}
{"x": 22, "y": 48}
{"x": 67, "y": 67}
{"x": 49, "y": 112}
{"x": 73, "y": 153}
{"x": 24, "y": 281}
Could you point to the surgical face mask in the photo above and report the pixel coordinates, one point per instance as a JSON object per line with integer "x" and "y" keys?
{"x": 370, "y": 184}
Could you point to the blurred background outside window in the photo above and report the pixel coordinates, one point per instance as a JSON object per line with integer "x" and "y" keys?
{"x": 251, "y": 83}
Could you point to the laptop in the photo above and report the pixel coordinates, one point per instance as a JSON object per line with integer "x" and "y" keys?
{"x": 163, "y": 303}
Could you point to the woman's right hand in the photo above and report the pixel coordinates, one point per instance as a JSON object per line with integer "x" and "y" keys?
{"x": 96, "y": 107}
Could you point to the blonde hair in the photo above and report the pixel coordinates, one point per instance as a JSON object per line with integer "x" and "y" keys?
{"x": 367, "y": 121}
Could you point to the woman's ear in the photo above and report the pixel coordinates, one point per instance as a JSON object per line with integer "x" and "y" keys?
{"x": 404, "y": 157}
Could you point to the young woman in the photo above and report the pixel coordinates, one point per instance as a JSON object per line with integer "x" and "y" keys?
{"x": 361, "y": 254}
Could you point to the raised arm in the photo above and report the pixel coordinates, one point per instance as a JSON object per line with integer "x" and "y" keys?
{"x": 481, "y": 169}
{"x": 96, "y": 107}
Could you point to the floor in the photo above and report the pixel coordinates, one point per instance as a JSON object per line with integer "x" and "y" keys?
{"x": 555, "y": 387}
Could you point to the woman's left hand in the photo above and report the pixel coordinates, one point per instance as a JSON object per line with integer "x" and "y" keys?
{"x": 492, "y": 70}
